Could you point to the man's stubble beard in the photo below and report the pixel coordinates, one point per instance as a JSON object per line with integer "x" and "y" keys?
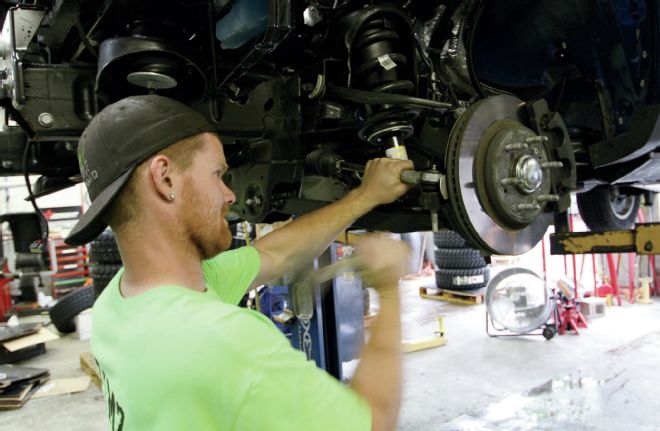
{"x": 205, "y": 228}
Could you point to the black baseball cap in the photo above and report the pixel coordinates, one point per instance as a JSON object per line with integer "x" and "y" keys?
{"x": 117, "y": 140}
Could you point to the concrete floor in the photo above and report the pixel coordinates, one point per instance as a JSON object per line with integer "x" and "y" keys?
{"x": 84, "y": 411}
{"x": 604, "y": 379}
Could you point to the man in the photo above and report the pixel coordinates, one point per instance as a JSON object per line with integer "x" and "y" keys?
{"x": 174, "y": 351}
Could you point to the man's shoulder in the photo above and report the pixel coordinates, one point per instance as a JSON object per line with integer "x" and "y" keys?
{"x": 176, "y": 306}
{"x": 246, "y": 254}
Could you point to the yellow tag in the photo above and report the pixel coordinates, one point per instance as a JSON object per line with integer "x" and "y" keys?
{"x": 398, "y": 152}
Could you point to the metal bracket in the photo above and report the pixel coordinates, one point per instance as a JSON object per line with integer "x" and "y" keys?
{"x": 20, "y": 26}
{"x": 644, "y": 239}
{"x": 439, "y": 339}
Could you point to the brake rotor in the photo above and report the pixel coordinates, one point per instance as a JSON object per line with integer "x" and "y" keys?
{"x": 497, "y": 178}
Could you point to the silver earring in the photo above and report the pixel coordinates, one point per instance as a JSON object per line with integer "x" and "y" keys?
{"x": 172, "y": 196}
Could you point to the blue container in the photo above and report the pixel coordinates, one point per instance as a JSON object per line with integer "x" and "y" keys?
{"x": 246, "y": 20}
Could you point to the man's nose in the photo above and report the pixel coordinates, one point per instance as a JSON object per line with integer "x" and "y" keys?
{"x": 230, "y": 197}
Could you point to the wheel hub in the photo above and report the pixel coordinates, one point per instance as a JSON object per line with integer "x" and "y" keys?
{"x": 529, "y": 174}
{"x": 509, "y": 173}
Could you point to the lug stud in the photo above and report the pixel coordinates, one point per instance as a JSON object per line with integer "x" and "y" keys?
{"x": 552, "y": 165}
{"x": 536, "y": 139}
{"x": 516, "y": 146}
{"x": 509, "y": 181}
{"x": 528, "y": 207}
{"x": 547, "y": 198}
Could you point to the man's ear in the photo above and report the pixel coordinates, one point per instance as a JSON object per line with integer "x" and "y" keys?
{"x": 160, "y": 171}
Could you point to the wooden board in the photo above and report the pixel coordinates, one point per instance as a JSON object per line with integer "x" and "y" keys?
{"x": 63, "y": 386}
{"x": 30, "y": 340}
{"x": 88, "y": 365}
{"x": 461, "y": 298}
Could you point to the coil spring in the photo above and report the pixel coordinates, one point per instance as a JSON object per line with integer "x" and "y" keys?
{"x": 376, "y": 48}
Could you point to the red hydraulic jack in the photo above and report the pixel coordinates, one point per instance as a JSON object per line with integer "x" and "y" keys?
{"x": 570, "y": 317}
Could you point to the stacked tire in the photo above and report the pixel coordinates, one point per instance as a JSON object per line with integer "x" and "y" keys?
{"x": 460, "y": 267}
{"x": 105, "y": 258}
{"x": 106, "y": 261}
{"x": 63, "y": 313}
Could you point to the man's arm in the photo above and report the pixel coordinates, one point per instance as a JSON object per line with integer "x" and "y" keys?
{"x": 299, "y": 242}
{"x": 378, "y": 376}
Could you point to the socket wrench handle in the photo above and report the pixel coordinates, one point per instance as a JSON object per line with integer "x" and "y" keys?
{"x": 410, "y": 176}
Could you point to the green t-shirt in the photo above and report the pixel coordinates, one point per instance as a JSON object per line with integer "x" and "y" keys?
{"x": 176, "y": 359}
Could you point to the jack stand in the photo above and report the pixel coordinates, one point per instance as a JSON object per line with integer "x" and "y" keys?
{"x": 571, "y": 315}
{"x": 439, "y": 339}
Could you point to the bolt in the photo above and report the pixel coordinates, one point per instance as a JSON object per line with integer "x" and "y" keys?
{"x": 7, "y": 164}
{"x": 516, "y": 146}
{"x": 509, "y": 181}
{"x": 642, "y": 83}
{"x": 648, "y": 246}
{"x": 528, "y": 207}
{"x": 547, "y": 198}
{"x": 46, "y": 119}
{"x": 552, "y": 165}
{"x": 536, "y": 139}
{"x": 645, "y": 54}
{"x": 620, "y": 121}
{"x": 255, "y": 201}
{"x": 312, "y": 16}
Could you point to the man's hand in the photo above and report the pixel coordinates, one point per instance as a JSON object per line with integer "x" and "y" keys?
{"x": 381, "y": 183}
{"x": 386, "y": 259}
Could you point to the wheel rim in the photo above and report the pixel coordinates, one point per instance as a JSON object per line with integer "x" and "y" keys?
{"x": 622, "y": 205}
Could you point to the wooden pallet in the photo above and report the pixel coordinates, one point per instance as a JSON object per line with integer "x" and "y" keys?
{"x": 461, "y": 298}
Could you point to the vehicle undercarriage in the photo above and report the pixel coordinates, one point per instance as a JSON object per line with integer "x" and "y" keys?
{"x": 506, "y": 108}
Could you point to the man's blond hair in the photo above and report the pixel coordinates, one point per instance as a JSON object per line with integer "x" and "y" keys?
{"x": 127, "y": 204}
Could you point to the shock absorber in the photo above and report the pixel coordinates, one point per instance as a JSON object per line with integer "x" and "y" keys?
{"x": 380, "y": 44}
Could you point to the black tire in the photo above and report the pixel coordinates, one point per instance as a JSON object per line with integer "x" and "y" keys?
{"x": 449, "y": 239}
{"x": 64, "y": 312}
{"x": 457, "y": 279}
{"x": 601, "y": 211}
{"x": 458, "y": 258}
{"x": 102, "y": 274}
{"x": 104, "y": 249}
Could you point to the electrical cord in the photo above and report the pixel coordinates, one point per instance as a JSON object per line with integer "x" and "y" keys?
{"x": 33, "y": 201}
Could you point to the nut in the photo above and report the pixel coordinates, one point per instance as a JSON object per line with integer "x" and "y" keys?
{"x": 46, "y": 119}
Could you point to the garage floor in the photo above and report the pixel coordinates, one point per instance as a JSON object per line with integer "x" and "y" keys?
{"x": 604, "y": 379}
